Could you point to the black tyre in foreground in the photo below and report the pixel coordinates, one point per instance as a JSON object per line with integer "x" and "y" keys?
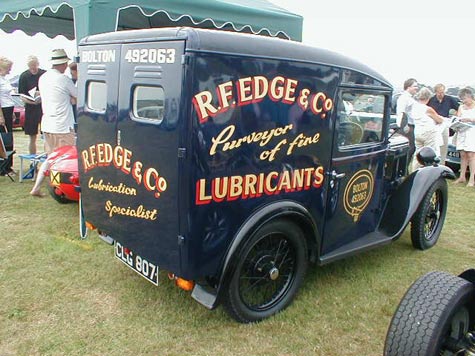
{"x": 432, "y": 318}
{"x": 428, "y": 220}
{"x": 269, "y": 272}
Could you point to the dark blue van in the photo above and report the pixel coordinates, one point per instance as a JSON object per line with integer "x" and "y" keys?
{"x": 231, "y": 161}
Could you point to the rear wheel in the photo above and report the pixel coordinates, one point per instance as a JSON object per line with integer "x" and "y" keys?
{"x": 56, "y": 195}
{"x": 433, "y": 317}
{"x": 428, "y": 220}
{"x": 269, "y": 272}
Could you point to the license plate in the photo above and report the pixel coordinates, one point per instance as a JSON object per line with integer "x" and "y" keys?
{"x": 146, "y": 269}
{"x": 454, "y": 154}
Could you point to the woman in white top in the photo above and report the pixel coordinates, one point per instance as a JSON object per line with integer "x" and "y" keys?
{"x": 465, "y": 140}
{"x": 427, "y": 125}
{"x": 6, "y": 100}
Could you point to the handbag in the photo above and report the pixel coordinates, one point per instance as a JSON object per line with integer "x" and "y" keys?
{"x": 7, "y": 138}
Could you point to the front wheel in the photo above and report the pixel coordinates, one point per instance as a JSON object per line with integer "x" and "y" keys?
{"x": 269, "y": 272}
{"x": 427, "y": 222}
{"x": 433, "y": 317}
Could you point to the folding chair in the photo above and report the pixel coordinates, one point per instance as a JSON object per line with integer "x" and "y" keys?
{"x": 33, "y": 160}
{"x": 6, "y": 140}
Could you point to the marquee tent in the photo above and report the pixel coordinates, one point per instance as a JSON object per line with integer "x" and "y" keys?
{"x": 79, "y": 18}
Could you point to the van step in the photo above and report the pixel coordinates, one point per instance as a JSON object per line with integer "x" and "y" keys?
{"x": 367, "y": 242}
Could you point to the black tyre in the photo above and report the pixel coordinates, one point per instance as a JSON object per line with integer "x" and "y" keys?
{"x": 432, "y": 317}
{"x": 453, "y": 166}
{"x": 60, "y": 198}
{"x": 269, "y": 272}
{"x": 427, "y": 222}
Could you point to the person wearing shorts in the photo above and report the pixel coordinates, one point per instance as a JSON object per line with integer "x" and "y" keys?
{"x": 58, "y": 93}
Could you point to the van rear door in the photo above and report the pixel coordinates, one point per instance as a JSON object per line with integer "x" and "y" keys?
{"x": 128, "y": 145}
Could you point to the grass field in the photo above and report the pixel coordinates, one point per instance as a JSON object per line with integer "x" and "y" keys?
{"x": 64, "y": 296}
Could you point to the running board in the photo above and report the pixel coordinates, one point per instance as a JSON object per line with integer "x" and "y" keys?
{"x": 372, "y": 240}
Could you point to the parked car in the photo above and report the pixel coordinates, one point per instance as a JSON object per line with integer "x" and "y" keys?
{"x": 18, "y": 113}
{"x": 453, "y": 157}
{"x": 63, "y": 174}
{"x": 436, "y": 316}
{"x": 260, "y": 156}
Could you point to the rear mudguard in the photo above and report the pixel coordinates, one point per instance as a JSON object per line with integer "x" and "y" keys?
{"x": 209, "y": 297}
{"x": 404, "y": 201}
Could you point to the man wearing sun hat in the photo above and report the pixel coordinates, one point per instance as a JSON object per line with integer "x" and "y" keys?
{"x": 58, "y": 93}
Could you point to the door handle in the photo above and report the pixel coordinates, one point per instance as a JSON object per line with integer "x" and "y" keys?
{"x": 334, "y": 175}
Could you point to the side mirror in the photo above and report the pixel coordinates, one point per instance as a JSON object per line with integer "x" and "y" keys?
{"x": 393, "y": 126}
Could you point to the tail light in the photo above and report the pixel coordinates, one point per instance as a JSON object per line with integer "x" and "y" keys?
{"x": 90, "y": 226}
{"x": 182, "y": 283}
{"x": 74, "y": 179}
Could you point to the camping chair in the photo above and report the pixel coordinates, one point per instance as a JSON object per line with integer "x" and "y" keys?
{"x": 6, "y": 140}
{"x": 34, "y": 160}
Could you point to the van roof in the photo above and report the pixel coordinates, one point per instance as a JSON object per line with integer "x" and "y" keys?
{"x": 204, "y": 40}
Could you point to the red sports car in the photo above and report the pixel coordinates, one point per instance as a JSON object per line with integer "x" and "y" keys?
{"x": 63, "y": 174}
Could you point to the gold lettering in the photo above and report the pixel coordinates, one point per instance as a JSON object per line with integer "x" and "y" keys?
{"x": 138, "y": 212}
{"x": 202, "y": 198}
{"x": 225, "y": 93}
{"x": 223, "y": 137}
{"x": 203, "y": 106}
{"x": 85, "y": 160}
{"x": 261, "y": 87}
{"x": 244, "y": 90}
{"x": 235, "y": 187}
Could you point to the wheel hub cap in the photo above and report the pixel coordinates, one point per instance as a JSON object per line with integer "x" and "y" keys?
{"x": 274, "y": 273}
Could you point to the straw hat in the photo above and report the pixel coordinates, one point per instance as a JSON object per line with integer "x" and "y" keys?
{"x": 59, "y": 56}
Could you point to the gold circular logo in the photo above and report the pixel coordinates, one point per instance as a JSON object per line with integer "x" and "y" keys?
{"x": 358, "y": 193}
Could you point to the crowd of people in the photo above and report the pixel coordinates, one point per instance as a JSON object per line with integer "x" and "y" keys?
{"x": 425, "y": 119}
{"x": 53, "y": 113}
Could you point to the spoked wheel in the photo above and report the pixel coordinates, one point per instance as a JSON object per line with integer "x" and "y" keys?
{"x": 433, "y": 317}
{"x": 269, "y": 272}
{"x": 428, "y": 221}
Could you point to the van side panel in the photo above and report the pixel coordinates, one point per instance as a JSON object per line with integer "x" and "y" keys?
{"x": 261, "y": 132}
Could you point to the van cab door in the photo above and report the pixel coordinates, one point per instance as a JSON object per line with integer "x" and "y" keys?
{"x": 130, "y": 189}
{"x": 355, "y": 177}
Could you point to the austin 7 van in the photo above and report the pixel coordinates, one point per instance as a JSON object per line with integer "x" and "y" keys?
{"x": 231, "y": 162}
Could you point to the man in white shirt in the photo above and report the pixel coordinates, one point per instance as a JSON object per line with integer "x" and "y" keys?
{"x": 404, "y": 107}
{"x": 58, "y": 93}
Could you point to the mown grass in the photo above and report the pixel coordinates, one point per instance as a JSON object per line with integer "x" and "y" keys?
{"x": 64, "y": 296}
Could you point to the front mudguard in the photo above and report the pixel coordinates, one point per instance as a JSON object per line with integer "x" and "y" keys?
{"x": 405, "y": 199}
{"x": 468, "y": 275}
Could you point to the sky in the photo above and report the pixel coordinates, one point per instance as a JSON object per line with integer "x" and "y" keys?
{"x": 400, "y": 39}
